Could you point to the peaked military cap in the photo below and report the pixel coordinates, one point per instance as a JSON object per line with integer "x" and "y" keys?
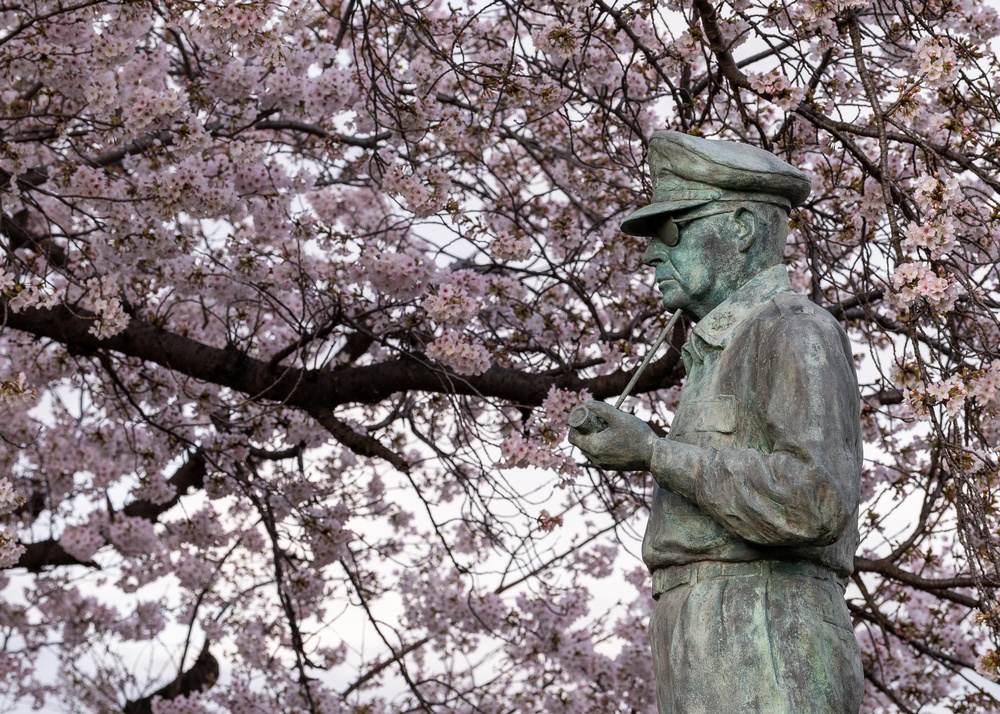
{"x": 689, "y": 171}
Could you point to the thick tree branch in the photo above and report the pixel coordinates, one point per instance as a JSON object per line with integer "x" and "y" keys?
{"x": 719, "y": 47}
{"x": 317, "y": 390}
{"x": 190, "y": 476}
{"x": 359, "y": 443}
{"x": 942, "y": 587}
{"x": 49, "y": 554}
{"x": 19, "y": 236}
{"x": 367, "y": 142}
{"x": 202, "y": 675}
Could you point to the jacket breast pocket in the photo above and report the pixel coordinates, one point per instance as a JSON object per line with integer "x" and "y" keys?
{"x": 714, "y": 420}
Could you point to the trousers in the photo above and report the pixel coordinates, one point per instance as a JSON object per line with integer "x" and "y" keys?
{"x": 763, "y": 637}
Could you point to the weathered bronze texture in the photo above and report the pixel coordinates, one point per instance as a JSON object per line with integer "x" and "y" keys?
{"x": 753, "y": 524}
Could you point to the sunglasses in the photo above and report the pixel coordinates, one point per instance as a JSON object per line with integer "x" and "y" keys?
{"x": 669, "y": 231}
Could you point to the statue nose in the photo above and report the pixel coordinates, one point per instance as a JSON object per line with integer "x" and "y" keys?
{"x": 652, "y": 256}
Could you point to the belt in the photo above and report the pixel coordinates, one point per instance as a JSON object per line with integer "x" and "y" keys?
{"x": 665, "y": 579}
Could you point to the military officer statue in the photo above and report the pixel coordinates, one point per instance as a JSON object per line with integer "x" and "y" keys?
{"x": 753, "y": 525}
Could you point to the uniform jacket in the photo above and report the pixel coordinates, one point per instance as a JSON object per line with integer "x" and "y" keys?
{"x": 763, "y": 459}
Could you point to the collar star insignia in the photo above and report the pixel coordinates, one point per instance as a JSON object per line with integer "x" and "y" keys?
{"x": 722, "y": 320}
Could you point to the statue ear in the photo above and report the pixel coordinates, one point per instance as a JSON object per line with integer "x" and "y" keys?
{"x": 746, "y": 227}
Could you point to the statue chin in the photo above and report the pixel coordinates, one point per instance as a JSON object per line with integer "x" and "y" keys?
{"x": 674, "y": 297}
{"x": 672, "y": 304}
{"x": 668, "y": 298}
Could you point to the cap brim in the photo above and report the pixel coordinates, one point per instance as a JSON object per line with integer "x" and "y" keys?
{"x": 646, "y": 220}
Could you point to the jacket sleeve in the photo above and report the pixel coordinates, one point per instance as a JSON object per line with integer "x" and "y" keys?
{"x": 802, "y": 486}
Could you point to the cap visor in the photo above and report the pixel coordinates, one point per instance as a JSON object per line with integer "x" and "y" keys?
{"x": 646, "y": 220}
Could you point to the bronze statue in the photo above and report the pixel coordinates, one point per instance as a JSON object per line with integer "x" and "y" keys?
{"x": 753, "y": 525}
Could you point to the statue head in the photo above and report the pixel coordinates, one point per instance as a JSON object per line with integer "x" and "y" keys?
{"x": 719, "y": 216}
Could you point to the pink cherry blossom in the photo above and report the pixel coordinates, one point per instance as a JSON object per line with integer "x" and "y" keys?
{"x": 457, "y": 352}
{"x": 298, "y": 296}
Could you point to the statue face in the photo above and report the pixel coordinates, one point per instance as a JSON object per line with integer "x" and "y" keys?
{"x": 692, "y": 258}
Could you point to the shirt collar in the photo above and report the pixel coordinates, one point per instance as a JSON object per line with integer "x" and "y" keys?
{"x": 717, "y": 325}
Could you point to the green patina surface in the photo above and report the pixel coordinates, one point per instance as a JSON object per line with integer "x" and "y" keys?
{"x": 753, "y": 524}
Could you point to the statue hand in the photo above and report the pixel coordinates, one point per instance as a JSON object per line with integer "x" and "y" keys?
{"x": 625, "y": 445}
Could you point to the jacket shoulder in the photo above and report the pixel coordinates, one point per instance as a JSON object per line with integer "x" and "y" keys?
{"x": 789, "y": 315}
{"x": 796, "y": 307}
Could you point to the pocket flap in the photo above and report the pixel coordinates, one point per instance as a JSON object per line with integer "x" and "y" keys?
{"x": 715, "y": 414}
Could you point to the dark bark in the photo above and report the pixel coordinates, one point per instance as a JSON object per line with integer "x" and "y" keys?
{"x": 49, "y": 554}
{"x": 202, "y": 675}
{"x": 316, "y": 390}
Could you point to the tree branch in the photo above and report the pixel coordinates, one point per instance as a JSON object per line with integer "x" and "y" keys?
{"x": 367, "y": 142}
{"x": 940, "y": 587}
{"x": 317, "y": 390}
{"x": 202, "y": 675}
{"x": 49, "y": 554}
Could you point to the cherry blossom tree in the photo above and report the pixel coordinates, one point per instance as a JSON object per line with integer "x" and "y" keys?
{"x": 297, "y": 296}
